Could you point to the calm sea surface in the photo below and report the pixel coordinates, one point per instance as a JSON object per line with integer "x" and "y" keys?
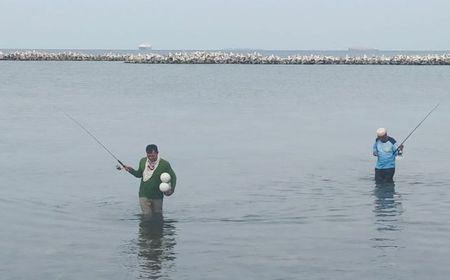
{"x": 274, "y": 164}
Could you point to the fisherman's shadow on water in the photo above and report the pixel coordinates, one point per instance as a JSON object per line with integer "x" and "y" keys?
{"x": 156, "y": 244}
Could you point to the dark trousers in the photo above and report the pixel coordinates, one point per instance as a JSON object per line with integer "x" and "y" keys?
{"x": 384, "y": 175}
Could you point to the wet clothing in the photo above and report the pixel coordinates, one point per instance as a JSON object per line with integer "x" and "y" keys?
{"x": 150, "y": 188}
{"x": 150, "y": 206}
{"x": 383, "y": 176}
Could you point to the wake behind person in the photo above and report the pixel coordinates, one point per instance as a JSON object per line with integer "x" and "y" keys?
{"x": 385, "y": 149}
{"x": 150, "y": 170}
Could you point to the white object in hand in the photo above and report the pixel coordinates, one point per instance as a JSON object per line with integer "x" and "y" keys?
{"x": 164, "y": 187}
{"x": 165, "y": 177}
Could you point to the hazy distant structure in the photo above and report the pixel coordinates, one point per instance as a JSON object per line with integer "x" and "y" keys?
{"x": 145, "y": 47}
{"x": 362, "y": 49}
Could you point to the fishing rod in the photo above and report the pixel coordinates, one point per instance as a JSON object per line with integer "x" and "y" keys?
{"x": 93, "y": 136}
{"x": 417, "y": 126}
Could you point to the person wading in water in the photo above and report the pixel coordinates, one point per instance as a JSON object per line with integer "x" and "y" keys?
{"x": 150, "y": 169}
{"x": 385, "y": 149}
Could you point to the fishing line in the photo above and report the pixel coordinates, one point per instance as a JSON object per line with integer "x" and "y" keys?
{"x": 90, "y": 134}
{"x": 420, "y": 123}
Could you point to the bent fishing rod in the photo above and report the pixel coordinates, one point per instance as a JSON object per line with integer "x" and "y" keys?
{"x": 417, "y": 126}
{"x": 93, "y": 136}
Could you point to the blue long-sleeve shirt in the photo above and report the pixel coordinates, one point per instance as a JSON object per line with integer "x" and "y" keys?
{"x": 385, "y": 151}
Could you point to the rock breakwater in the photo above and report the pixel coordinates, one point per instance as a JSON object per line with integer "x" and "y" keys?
{"x": 203, "y": 57}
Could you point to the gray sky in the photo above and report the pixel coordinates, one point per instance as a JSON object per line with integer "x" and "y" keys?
{"x": 219, "y": 24}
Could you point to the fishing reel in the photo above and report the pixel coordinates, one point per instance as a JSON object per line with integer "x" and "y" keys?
{"x": 399, "y": 155}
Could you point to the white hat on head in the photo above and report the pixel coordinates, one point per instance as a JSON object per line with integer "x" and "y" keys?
{"x": 381, "y": 132}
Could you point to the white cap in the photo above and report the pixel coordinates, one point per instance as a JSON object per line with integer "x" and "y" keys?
{"x": 381, "y": 132}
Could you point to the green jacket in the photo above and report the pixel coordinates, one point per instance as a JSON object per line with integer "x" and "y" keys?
{"x": 150, "y": 189}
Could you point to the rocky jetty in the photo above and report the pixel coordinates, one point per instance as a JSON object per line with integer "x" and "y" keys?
{"x": 203, "y": 57}
{"x": 60, "y": 56}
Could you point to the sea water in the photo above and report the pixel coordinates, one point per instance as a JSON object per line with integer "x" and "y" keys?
{"x": 274, "y": 166}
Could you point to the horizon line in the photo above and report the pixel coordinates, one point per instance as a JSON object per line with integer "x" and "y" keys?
{"x": 356, "y": 49}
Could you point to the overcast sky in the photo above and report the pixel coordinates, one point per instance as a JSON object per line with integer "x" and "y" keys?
{"x": 219, "y": 24}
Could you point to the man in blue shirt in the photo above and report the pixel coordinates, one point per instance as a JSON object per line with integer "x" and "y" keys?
{"x": 385, "y": 149}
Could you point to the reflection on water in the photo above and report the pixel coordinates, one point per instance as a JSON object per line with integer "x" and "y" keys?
{"x": 155, "y": 247}
{"x": 387, "y": 210}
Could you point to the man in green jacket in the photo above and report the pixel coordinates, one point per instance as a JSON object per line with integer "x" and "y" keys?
{"x": 150, "y": 169}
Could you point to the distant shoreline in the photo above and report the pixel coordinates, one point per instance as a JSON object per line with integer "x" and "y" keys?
{"x": 230, "y": 57}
